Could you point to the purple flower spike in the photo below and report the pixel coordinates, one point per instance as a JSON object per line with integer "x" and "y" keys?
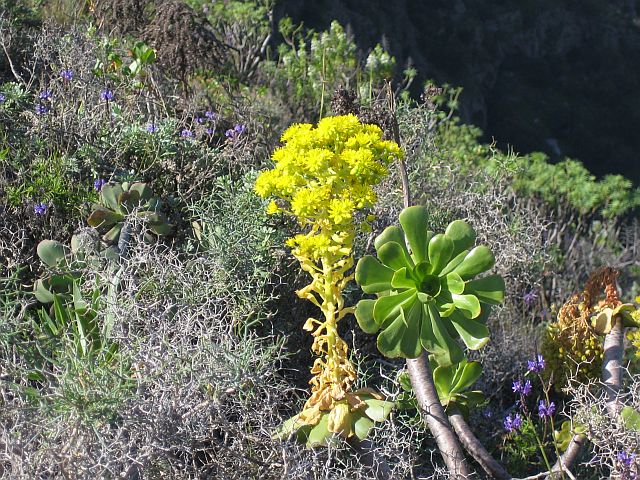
{"x": 544, "y": 410}
{"x": 186, "y": 133}
{"x": 536, "y": 365}
{"x": 511, "y": 424}
{"x": 199, "y": 120}
{"x": 41, "y": 109}
{"x": 152, "y": 128}
{"x": 626, "y": 459}
{"x": 210, "y": 115}
{"x": 40, "y": 208}
{"x": 239, "y": 129}
{"x": 99, "y": 183}
{"x": 530, "y": 297}
{"x": 3, "y": 97}
{"x": 67, "y": 74}
{"x": 520, "y": 387}
{"x": 107, "y": 95}
{"x": 45, "y": 95}
{"x": 210, "y": 131}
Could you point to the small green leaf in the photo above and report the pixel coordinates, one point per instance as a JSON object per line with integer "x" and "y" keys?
{"x": 362, "y": 426}
{"x": 631, "y": 418}
{"x": 469, "y": 373}
{"x": 51, "y": 252}
{"x": 454, "y": 262}
{"x": 401, "y": 279}
{"x": 394, "y": 256}
{"x": 468, "y": 304}
{"x": 102, "y": 217}
{"x": 400, "y": 338}
{"x": 453, "y": 283}
{"x": 364, "y": 316}
{"x": 473, "y": 333}
{"x": 462, "y": 234}
{"x": 479, "y": 260}
{"x": 320, "y": 434}
{"x": 373, "y": 276}
{"x": 378, "y": 410}
{"x": 488, "y": 289}
{"x": 440, "y": 252}
{"x": 389, "y": 307}
{"x": 414, "y": 223}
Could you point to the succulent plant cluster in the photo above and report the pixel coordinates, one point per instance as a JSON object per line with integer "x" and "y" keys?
{"x": 120, "y": 201}
{"x": 427, "y": 294}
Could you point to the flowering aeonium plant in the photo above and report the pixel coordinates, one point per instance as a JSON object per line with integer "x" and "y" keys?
{"x": 322, "y": 176}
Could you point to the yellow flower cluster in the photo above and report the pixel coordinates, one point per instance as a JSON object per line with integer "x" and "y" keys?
{"x": 325, "y": 174}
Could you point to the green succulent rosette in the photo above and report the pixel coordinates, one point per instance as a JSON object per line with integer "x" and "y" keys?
{"x": 428, "y": 296}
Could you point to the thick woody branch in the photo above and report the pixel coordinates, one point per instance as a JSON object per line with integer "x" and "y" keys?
{"x": 476, "y": 449}
{"x": 437, "y": 421}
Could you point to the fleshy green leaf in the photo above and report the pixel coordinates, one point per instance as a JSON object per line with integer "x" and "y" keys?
{"x": 320, "y": 434}
{"x": 109, "y": 195}
{"x": 488, "y": 289}
{"x": 631, "y": 418}
{"x": 468, "y": 304}
{"x": 473, "y": 333}
{"x": 436, "y": 339}
{"x": 479, "y": 260}
{"x": 414, "y": 223}
{"x": 362, "y": 426}
{"x": 401, "y": 279}
{"x": 364, "y": 316}
{"x": 469, "y": 374}
{"x": 440, "y": 252}
{"x": 453, "y": 283}
{"x": 51, "y": 252}
{"x": 454, "y": 262}
{"x": 373, "y": 276}
{"x": 378, "y": 410}
{"x": 400, "y": 338}
{"x": 102, "y": 217}
{"x": 395, "y": 256}
{"x": 389, "y": 234}
{"x": 389, "y": 307}
{"x": 462, "y": 234}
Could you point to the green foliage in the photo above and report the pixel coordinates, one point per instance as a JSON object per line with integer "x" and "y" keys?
{"x": 521, "y": 451}
{"x": 453, "y": 383}
{"x": 427, "y": 297}
{"x": 120, "y": 203}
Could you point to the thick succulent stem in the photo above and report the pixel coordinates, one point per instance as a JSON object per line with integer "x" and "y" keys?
{"x": 612, "y": 366}
{"x": 569, "y": 457}
{"x": 429, "y": 403}
{"x": 476, "y": 449}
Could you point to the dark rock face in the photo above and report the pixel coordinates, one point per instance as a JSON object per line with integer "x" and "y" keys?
{"x": 558, "y": 76}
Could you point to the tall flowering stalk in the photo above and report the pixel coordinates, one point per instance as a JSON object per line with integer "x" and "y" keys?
{"x": 323, "y": 176}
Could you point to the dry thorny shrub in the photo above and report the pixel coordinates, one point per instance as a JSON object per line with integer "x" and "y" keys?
{"x": 191, "y": 395}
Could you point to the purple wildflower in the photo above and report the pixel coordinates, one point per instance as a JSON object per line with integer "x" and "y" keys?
{"x": 45, "y": 95}
{"x": 107, "y": 95}
{"x": 3, "y": 97}
{"x": 239, "y": 129}
{"x": 544, "y": 410}
{"x": 536, "y": 365}
{"x": 210, "y": 115}
{"x": 229, "y": 133}
{"x": 199, "y": 120}
{"x": 511, "y": 424}
{"x": 40, "y": 208}
{"x": 210, "y": 131}
{"x": 520, "y": 387}
{"x": 152, "y": 128}
{"x": 41, "y": 109}
{"x": 530, "y": 297}
{"x": 626, "y": 458}
{"x": 186, "y": 133}
{"x": 99, "y": 183}
{"x": 67, "y": 74}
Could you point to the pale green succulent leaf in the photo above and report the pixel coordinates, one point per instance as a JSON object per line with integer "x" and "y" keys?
{"x": 364, "y": 316}
{"x": 414, "y": 223}
{"x": 389, "y": 307}
{"x": 51, "y": 252}
{"x": 373, "y": 276}
{"x": 489, "y": 289}
{"x": 468, "y": 304}
{"x": 362, "y": 426}
{"x": 436, "y": 340}
{"x": 453, "y": 283}
{"x": 401, "y": 338}
{"x": 462, "y": 234}
{"x": 378, "y": 410}
{"x": 109, "y": 195}
{"x": 440, "y": 252}
{"x": 479, "y": 260}
{"x": 402, "y": 279}
{"x": 395, "y": 256}
{"x": 454, "y": 262}
{"x": 473, "y": 333}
